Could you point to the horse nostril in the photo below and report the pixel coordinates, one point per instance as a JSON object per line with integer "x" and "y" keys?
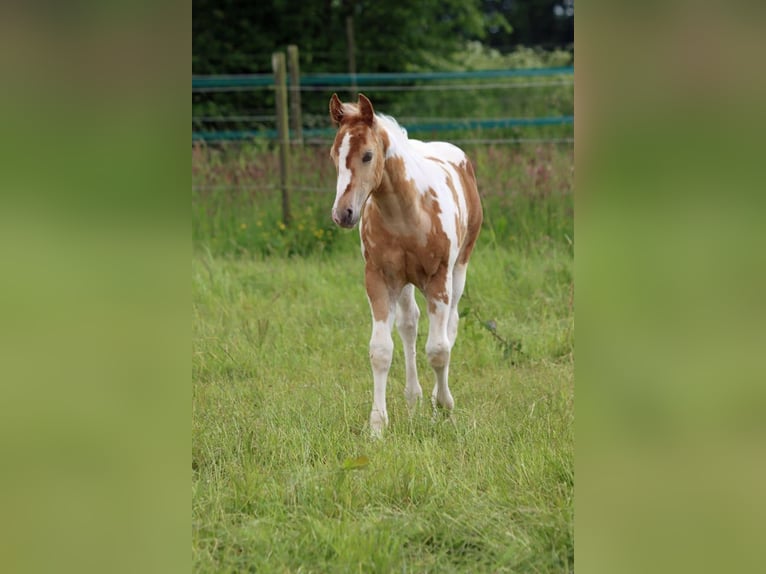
{"x": 349, "y": 213}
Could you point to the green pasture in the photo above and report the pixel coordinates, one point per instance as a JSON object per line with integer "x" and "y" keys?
{"x": 285, "y": 476}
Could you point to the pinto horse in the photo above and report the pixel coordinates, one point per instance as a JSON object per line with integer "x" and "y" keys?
{"x": 420, "y": 216}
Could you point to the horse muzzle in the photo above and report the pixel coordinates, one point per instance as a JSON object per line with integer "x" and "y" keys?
{"x": 345, "y": 217}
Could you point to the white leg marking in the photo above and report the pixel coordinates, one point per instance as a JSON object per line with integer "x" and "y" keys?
{"x": 381, "y": 353}
{"x": 438, "y": 351}
{"x": 407, "y": 315}
{"x": 458, "y": 285}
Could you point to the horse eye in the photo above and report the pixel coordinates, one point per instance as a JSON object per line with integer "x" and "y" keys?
{"x": 367, "y": 157}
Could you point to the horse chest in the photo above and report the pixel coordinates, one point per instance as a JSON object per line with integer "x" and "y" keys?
{"x": 404, "y": 258}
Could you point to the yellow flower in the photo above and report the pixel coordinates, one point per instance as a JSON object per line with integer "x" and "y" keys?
{"x": 281, "y": 226}
{"x": 259, "y": 223}
{"x": 243, "y": 226}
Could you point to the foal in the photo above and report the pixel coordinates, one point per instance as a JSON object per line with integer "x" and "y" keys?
{"x": 420, "y": 216}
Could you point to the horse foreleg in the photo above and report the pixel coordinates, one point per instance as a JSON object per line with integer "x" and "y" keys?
{"x": 381, "y": 347}
{"x": 407, "y": 315}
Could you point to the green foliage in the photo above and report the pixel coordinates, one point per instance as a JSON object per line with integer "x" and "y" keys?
{"x": 235, "y": 37}
{"x": 534, "y": 22}
{"x": 424, "y": 27}
{"x": 475, "y": 55}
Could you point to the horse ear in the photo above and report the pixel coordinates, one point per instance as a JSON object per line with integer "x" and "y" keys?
{"x": 336, "y": 110}
{"x": 365, "y": 110}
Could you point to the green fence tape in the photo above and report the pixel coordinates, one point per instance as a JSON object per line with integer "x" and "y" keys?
{"x": 455, "y": 125}
{"x": 260, "y": 80}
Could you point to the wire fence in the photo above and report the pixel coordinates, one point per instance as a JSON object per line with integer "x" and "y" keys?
{"x": 532, "y": 98}
{"x": 448, "y": 125}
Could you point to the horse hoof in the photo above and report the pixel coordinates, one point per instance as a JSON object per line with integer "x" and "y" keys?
{"x": 413, "y": 399}
{"x": 443, "y": 402}
{"x": 378, "y": 422}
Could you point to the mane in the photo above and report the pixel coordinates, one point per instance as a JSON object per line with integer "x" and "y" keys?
{"x": 391, "y": 125}
{"x": 396, "y": 133}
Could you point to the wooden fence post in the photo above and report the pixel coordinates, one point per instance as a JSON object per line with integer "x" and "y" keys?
{"x": 283, "y": 133}
{"x": 351, "y": 52}
{"x": 296, "y": 121}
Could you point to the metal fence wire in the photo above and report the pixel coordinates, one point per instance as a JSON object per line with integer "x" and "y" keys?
{"x": 495, "y": 90}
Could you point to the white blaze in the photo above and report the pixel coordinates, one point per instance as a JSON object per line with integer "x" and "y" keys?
{"x": 344, "y": 174}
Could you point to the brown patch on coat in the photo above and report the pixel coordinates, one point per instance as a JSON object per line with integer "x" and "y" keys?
{"x": 436, "y": 290}
{"x": 415, "y": 251}
{"x": 399, "y": 203}
{"x": 475, "y": 214}
{"x": 360, "y": 136}
{"x": 359, "y": 133}
{"x": 378, "y": 293}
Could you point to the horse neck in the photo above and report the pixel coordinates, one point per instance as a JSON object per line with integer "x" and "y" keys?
{"x": 397, "y": 197}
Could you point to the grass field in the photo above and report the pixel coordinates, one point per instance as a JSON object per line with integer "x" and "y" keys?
{"x": 285, "y": 477}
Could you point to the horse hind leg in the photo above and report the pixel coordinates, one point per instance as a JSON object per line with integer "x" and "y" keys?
{"x": 407, "y": 315}
{"x": 458, "y": 285}
{"x": 438, "y": 346}
{"x": 441, "y": 396}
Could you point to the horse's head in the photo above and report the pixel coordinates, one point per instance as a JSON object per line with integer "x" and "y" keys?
{"x": 359, "y": 156}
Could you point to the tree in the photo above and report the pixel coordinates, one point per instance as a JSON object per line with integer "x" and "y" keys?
{"x": 231, "y": 36}
{"x": 544, "y": 23}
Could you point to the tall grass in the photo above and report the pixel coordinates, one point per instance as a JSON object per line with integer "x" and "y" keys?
{"x": 284, "y": 474}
